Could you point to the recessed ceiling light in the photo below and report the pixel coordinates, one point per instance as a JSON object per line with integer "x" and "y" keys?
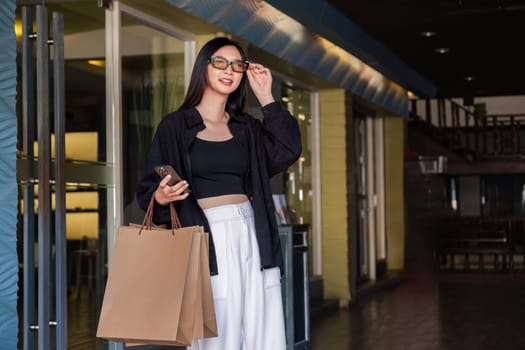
{"x": 428, "y": 34}
{"x": 97, "y": 63}
{"x": 442, "y": 50}
{"x": 470, "y": 78}
{"x": 411, "y": 95}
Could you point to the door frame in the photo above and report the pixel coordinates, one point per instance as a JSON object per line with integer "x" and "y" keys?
{"x": 371, "y": 233}
{"x": 114, "y": 121}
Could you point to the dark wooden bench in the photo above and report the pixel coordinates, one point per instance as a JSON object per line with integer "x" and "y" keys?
{"x": 473, "y": 236}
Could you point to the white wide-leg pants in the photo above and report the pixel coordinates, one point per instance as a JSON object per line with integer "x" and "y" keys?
{"x": 248, "y": 302}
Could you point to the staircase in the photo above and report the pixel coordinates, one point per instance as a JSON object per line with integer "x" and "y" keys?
{"x": 471, "y": 141}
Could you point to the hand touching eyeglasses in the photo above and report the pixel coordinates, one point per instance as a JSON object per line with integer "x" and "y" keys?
{"x": 260, "y": 79}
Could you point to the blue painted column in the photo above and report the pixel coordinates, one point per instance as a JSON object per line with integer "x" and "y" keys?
{"x": 8, "y": 185}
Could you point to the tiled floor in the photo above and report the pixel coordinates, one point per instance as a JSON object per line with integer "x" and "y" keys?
{"x": 448, "y": 311}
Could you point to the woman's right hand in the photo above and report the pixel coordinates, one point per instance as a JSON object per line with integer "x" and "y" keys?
{"x": 165, "y": 193}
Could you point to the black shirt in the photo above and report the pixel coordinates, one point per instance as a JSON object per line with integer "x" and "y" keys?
{"x": 218, "y": 167}
{"x": 273, "y": 145}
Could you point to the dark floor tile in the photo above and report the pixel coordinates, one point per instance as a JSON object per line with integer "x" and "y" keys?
{"x": 445, "y": 311}
{"x": 427, "y": 311}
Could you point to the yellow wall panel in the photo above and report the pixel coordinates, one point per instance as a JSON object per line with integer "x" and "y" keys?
{"x": 334, "y": 156}
{"x": 394, "y": 192}
{"x": 334, "y": 108}
{"x": 333, "y": 119}
{"x": 337, "y": 131}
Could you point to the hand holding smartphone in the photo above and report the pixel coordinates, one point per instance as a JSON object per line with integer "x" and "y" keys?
{"x": 164, "y": 170}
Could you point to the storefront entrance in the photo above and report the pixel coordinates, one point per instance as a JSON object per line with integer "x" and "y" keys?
{"x": 80, "y": 157}
{"x": 63, "y": 173}
{"x": 369, "y": 157}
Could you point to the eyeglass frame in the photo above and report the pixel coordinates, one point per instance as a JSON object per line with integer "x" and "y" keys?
{"x": 211, "y": 61}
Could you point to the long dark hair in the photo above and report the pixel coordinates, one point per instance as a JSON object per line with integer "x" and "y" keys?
{"x": 199, "y": 78}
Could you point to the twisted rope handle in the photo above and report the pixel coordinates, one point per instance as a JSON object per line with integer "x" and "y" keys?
{"x": 148, "y": 218}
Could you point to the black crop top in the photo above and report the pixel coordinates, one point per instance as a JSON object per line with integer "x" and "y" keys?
{"x": 218, "y": 167}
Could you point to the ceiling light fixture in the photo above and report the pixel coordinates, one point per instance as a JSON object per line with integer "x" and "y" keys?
{"x": 428, "y": 33}
{"x": 411, "y": 95}
{"x": 442, "y": 50}
{"x": 97, "y": 63}
{"x": 470, "y": 78}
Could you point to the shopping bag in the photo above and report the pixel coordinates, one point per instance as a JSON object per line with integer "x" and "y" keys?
{"x": 189, "y": 318}
{"x": 209, "y": 324}
{"x": 205, "y": 325}
{"x": 154, "y": 289}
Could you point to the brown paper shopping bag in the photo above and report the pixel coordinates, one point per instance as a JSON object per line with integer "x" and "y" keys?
{"x": 192, "y": 289}
{"x": 205, "y": 325}
{"x": 154, "y": 287}
{"x": 209, "y": 324}
{"x": 188, "y": 318}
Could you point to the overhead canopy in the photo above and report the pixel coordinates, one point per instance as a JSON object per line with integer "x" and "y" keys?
{"x": 320, "y": 40}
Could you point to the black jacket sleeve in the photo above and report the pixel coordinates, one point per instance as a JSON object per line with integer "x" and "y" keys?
{"x": 281, "y": 137}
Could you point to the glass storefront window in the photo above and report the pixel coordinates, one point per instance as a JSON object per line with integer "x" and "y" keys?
{"x": 85, "y": 151}
{"x": 293, "y": 189}
{"x": 298, "y": 184}
{"x": 152, "y": 86}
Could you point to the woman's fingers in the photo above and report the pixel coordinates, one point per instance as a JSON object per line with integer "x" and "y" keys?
{"x": 166, "y": 193}
{"x": 256, "y": 69}
{"x": 176, "y": 192}
{"x": 180, "y": 186}
{"x": 164, "y": 181}
{"x": 260, "y": 77}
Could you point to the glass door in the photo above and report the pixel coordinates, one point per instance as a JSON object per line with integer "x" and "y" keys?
{"x": 123, "y": 71}
{"x": 361, "y": 142}
{"x": 153, "y": 69}
{"x": 371, "y": 235}
{"x": 63, "y": 280}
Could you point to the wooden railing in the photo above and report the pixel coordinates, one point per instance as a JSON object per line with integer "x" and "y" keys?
{"x": 478, "y": 136}
{"x": 497, "y": 238}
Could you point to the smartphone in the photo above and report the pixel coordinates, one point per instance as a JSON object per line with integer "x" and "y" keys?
{"x": 164, "y": 170}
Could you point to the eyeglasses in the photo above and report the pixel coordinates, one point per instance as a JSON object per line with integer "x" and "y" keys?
{"x": 238, "y": 66}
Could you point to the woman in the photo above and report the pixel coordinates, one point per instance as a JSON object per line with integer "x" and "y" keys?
{"x": 227, "y": 158}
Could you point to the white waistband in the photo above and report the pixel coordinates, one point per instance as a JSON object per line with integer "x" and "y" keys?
{"x": 229, "y": 211}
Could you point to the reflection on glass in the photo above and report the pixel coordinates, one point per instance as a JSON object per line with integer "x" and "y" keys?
{"x": 453, "y": 195}
{"x": 299, "y": 177}
{"x": 152, "y": 86}
{"x": 503, "y": 195}
{"x": 85, "y": 204}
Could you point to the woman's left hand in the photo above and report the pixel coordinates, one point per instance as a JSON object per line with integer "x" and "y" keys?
{"x": 260, "y": 79}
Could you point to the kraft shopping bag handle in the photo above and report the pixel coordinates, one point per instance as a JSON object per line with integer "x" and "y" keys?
{"x": 148, "y": 218}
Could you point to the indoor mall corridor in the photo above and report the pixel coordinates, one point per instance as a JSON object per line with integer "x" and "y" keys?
{"x": 426, "y": 311}
{"x": 429, "y": 311}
